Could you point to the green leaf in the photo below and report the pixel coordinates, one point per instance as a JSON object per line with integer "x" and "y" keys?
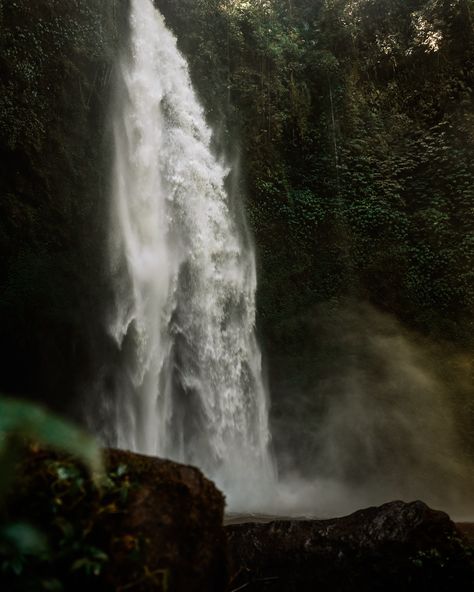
{"x": 25, "y": 538}
{"x": 121, "y": 470}
{"x": 52, "y": 585}
{"x": 24, "y": 419}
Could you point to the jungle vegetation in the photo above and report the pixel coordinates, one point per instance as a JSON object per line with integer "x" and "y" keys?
{"x": 353, "y": 125}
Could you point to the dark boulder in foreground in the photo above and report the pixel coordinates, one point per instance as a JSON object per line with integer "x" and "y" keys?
{"x": 397, "y": 546}
{"x": 156, "y": 525}
{"x": 177, "y": 514}
{"x": 151, "y": 525}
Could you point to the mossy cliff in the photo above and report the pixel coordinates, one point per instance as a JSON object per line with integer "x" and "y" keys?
{"x": 352, "y": 123}
{"x": 56, "y": 64}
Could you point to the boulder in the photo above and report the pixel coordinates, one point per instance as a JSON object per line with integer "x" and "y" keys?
{"x": 150, "y": 525}
{"x": 397, "y": 546}
{"x": 178, "y": 514}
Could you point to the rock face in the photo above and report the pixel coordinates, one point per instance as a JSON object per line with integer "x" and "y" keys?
{"x": 156, "y": 525}
{"x": 150, "y": 525}
{"x": 397, "y": 546}
{"x": 178, "y": 515}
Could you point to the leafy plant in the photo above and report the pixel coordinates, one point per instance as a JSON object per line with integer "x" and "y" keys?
{"x": 22, "y": 422}
{"x": 26, "y": 549}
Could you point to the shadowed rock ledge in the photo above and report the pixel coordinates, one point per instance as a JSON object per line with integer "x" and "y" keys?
{"x": 397, "y": 546}
{"x": 149, "y": 525}
{"x": 156, "y": 525}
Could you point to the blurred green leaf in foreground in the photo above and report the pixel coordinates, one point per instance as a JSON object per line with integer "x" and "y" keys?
{"x": 22, "y": 422}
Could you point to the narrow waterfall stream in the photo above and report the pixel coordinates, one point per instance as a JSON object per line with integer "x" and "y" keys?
{"x": 190, "y": 382}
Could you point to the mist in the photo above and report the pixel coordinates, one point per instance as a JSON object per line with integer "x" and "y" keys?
{"x": 374, "y": 425}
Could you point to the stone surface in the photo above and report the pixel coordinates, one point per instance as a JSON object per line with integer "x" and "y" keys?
{"x": 397, "y": 546}
{"x": 178, "y": 513}
{"x": 467, "y": 529}
{"x": 149, "y": 525}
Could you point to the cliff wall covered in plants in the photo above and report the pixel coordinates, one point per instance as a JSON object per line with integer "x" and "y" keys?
{"x": 352, "y": 125}
{"x": 354, "y": 121}
{"x": 55, "y": 69}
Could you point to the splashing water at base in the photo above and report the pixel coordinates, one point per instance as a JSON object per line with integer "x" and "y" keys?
{"x": 189, "y": 380}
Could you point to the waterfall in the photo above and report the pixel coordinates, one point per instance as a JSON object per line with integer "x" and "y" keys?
{"x": 188, "y": 384}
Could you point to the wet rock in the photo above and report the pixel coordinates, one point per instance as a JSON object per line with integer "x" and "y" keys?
{"x": 150, "y": 525}
{"x": 397, "y": 546}
{"x": 178, "y": 515}
{"x": 467, "y": 529}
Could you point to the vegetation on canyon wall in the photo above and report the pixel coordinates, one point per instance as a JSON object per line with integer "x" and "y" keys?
{"x": 356, "y": 126}
{"x": 56, "y": 61}
{"x": 355, "y": 123}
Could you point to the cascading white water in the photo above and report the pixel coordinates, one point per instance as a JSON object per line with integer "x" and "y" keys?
{"x": 190, "y": 385}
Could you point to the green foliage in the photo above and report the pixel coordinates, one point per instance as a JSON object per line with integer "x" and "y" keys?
{"x": 53, "y": 512}
{"x": 63, "y": 547}
{"x": 20, "y": 542}
{"x": 56, "y": 61}
{"x": 22, "y": 421}
{"x": 355, "y": 120}
{"x": 82, "y": 526}
{"x": 33, "y": 545}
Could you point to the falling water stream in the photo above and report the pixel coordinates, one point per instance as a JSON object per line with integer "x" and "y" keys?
{"x": 190, "y": 386}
